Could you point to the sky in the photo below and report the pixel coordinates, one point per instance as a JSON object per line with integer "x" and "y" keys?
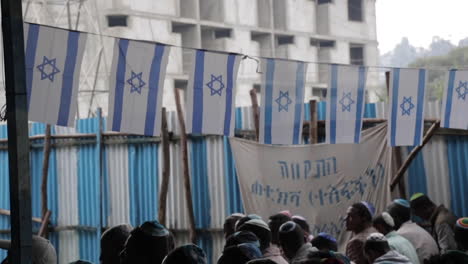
{"x": 420, "y": 20}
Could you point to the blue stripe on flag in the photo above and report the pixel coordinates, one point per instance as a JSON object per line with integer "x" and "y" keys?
{"x": 229, "y": 87}
{"x": 197, "y": 116}
{"x": 152, "y": 102}
{"x": 360, "y": 104}
{"x": 299, "y": 102}
{"x": 333, "y": 102}
{"x": 120, "y": 84}
{"x": 396, "y": 85}
{"x": 31, "y": 47}
{"x": 448, "y": 104}
{"x": 270, "y": 73}
{"x": 420, "y": 106}
{"x": 68, "y": 78}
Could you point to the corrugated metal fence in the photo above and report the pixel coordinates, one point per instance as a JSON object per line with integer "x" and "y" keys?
{"x": 93, "y": 185}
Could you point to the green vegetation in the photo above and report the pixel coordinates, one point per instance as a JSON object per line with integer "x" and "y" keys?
{"x": 438, "y": 66}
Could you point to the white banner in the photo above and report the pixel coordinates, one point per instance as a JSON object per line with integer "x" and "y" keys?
{"x": 318, "y": 182}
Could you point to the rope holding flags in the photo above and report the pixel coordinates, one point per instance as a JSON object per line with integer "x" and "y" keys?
{"x": 53, "y": 64}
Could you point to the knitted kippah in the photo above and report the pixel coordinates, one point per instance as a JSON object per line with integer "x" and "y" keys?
{"x": 288, "y": 227}
{"x": 388, "y": 219}
{"x": 259, "y": 223}
{"x": 298, "y": 217}
{"x": 254, "y": 216}
{"x": 286, "y": 213}
{"x": 376, "y": 237}
{"x": 402, "y": 202}
{"x": 463, "y": 222}
{"x": 154, "y": 229}
{"x": 416, "y": 196}
{"x": 370, "y": 207}
{"x": 327, "y": 236}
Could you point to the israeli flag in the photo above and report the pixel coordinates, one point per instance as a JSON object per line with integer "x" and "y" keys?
{"x": 345, "y": 104}
{"x": 406, "y": 111}
{"x": 210, "y": 93}
{"x": 455, "y": 103}
{"x": 136, "y": 87}
{"x": 53, "y": 59}
{"x": 281, "y": 114}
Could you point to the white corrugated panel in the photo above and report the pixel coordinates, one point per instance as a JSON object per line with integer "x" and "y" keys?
{"x": 215, "y": 162}
{"x": 67, "y": 182}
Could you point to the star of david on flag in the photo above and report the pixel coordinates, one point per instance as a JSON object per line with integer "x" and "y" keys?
{"x": 53, "y": 63}
{"x": 211, "y": 93}
{"x": 406, "y": 111}
{"x": 345, "y": 105}
{"x": 455, "y": 103}
{"x": 282, "y": 101}
{"x": 136, "y": 87}
{"x": 216, "y": 85}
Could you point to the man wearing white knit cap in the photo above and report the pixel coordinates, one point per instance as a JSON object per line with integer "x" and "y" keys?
{"x": 384, "y": 224}
{"x": 377, "y": 251}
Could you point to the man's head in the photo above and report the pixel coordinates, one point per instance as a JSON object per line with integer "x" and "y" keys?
{"x": 325, "y": 242}
{"x": 245, "y": 219}
{"x": 422, "y": 206}
{"x": 187, "y": 254}
{"x": 261, "y": 230}
{"x": 230, "y": 224}
{"x": 242, "y": 237}
{"x": 148, "y": 243}
{"x": 113, "y": 242}
{"x": 275, "y": 222}
{"x": 42, "y": 250}
{"x": 240, "y": 254}
{"x": 302, "y": 222}
{"x": 375, "y": 246}
{"x": 400, "y": 211}
{"x": 291, "y": 238}
{"x": 461, "y": 233}
{"x": 384, "y": 223}
{"x": 359, "y": 216}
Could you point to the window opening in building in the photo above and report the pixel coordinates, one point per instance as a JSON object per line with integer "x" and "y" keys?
{"x": 356, "y": 52}
{"x": 117, "y": 20}
{"x": 324, "y": 2}
{"x": 285, "y": 40}
{"x": 222, "y": 33}
{"x": 355, "y": 10}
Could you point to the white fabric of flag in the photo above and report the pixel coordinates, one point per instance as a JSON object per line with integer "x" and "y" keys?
{"x": 210, "y": 93}
{"x": 282, "y": 107}
{"x": 455, "y": 103}
{"x": 345, "y": 104}
{"x": 53, "y": 59}
{"x": 406, "y": 110}
{"x": 136, "y": 87}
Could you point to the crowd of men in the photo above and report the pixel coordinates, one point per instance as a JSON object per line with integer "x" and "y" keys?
{"x": 390, "y": 237}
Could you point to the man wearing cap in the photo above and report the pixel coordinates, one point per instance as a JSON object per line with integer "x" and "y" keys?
{"x": 113, "y": 242}
{"x": 384, "y": 224}
{"x": 302, "y": 222}
{"x": 148, "y": 243}
{"x": 240, "y": 254}
{"x": 274, "y": 223}
{"x": 293, "y": 243}
{"x": 359, "y": 222}
{"x": 377, "y": 251}
{"x": 423, "y": 242}
{"x": 326, "y": 243}
{"x": 441, "y": 219}
{"x": 187, "y": 254}
{"x": 230, "y": 224}
{"x": 43, "y": 252}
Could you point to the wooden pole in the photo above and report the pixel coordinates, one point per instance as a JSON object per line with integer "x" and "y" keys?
{"x": 166, "y": 170}
{"x": 18, "y": 142}
{"x": 187, "y": 187}
{"x": 313, "y": 126}
{"x": 45, "y": 174}
{"x": 412, "y": 155}
{"x": 43, "y": 230}
{"x": 255, "y": 111}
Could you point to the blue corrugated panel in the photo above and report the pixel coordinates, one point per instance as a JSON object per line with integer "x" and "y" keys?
{"x": 205, "y": 241}
{"x": 307, "y": 112}
{"x": 417, "y": 181}
{"x": 370, "y": 111}
{"x": 233, "y": 196}
{"x": 322, "y": 110}
{"x": 4, "y": 190}
{"x": 89, "y": 193}
{"x": 457, "y": 150}
{"x": 238, "y": 116}
{"x": 143, "y": 182}
{"x": 200, "y": 185}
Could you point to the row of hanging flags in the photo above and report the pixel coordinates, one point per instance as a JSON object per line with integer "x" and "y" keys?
{"x": 53, "y": 63}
